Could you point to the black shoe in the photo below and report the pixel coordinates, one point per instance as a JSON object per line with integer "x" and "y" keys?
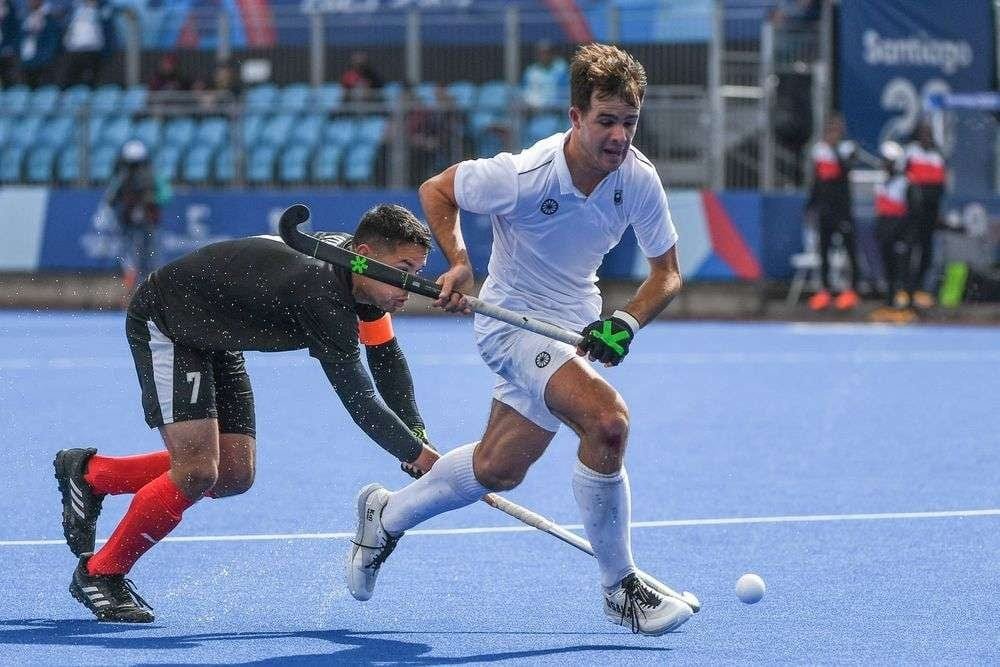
{"x": 111, "y": 597}
{"x": 81, "y": 506}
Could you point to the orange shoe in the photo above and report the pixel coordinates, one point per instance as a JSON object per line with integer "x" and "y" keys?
{"x": 923, "y": 300}
{"x": 846, "y": 300}
{"x": 820, "y": 300}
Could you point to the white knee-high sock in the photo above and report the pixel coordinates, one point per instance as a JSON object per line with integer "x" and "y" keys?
{"x": 450, "y": 484}
{"x": 606, "y": 507}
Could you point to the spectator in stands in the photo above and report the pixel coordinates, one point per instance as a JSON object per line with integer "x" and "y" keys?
{"x": 925, "y": 174}
{"x": 430, "y": 132}
{"x": 795, "y": 13}
{"x": 167, "y": 76}
{"x": 545, "y": 81}
{"x": 88, "y": 41}
{"x": 9, "y": 41}
{"x": 39, "y": 44}
{"x": 360, "y": 79}
{"x": 892, "y": 229}
{"x": 223, "y": 90}
{"x": 830, "y": 204}
{"x": 132, "y": 195}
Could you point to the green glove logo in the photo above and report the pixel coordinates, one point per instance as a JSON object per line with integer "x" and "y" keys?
{"x": 610, "y": 339}
{"x": 359, "y": 264}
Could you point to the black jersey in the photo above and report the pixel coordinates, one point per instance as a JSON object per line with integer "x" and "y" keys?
{"x": 256, "y": 294}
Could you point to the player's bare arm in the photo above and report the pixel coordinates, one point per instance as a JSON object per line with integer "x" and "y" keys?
{"x": 437, "y": 197}
{"x": 658, "y": 290}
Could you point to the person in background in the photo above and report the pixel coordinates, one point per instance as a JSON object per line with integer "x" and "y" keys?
{"x": 9, "y": 40}
{"x": 360, "y": 79}
{"x": 830, "y": 203}
{"x": 88, "y": 40}
{"x": 133, "y": 197}
{"x": 545, "y": 81}
{"x": 167, "y": 75}
{"x": 925, "y": 174}
{"x": 892, "y": 230}
{"x": 39, "y": 44}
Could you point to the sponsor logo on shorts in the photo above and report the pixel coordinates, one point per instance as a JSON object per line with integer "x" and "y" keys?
{"x": 542, "y": 359}
{"x": 550, "y": 206}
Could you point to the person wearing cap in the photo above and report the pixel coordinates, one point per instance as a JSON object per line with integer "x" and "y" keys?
{"x": 132, "y": 197}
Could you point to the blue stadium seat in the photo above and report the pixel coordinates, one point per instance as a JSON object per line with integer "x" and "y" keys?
{"x": 542, "y": 126}
{"x": 391, "y": 91}
{"x": 225, "y": 165}
{"x": 197, "y": 162}
{"x": 106, "y": 100}
{"x": 425, "y": 93}
{"x": 326, "y": 163}
{"x": 261, "y": 98}
{"x": 252, "y": 126}
{"x": 43, "y": 100}
{"x": 94, "y": 126}
{"x": 6, "y": 127}
{"x": 148, "y": 131}
{"x": 167, "y": 160}
{"x": 328, "y": 97}
{"x": 480, "y": 120}
{"x": 179, "y": 132}
{"x": 212, "y": 132}
{"x": 68, "y": 164}
{"x": 134, "y": 99}
{"x": 463, "y": 92}
{"x": 493, "y": 96}
{"x": 260, "y": 164}
{"x": 25, "y": 131}
{"x": 102, "y": 162}
{"x": 307, "y": 131}
{"x": 292, "y": 166}
{"x": 11, "y": 159}
{"x": 277, "y": 130}
{"x": 359, "y": 165}
{"x": 40, "y": 163}
{"x": 295, "y": 98}
{"x": 73, "y": 98}
{"x": 116, "y": 131}
{"x": 15, "y": 100}
{"x": 339, "y": 131}
{"x": 371, "y": 129}
{"x": 57, "y": 131}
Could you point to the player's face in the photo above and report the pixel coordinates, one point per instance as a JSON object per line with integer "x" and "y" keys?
{"x": 407, "y": 257}
{"x": 606, "y": 131}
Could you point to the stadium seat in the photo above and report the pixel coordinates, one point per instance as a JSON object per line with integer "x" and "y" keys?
{"x": 106, "y": 100}
{"x": 68, "y": 164}
{"x": 391, "y": 91}
{"x": 43, "y": 100}
{"x": 292, "y": 166}
{"x": 480, "y": 120}
{"x": 371, "y": 129}
{"x": 261, "y": 98}
{"x": 11, "y": 159}
{"x": 252, "y": 125}
{"x": 328, "y": 97}
{"x": 225, "y": 165}
{"x": 134, "y": 99}
{"x": 295, "y": 98}
{"x": 339, "y": 131}
{"x": 359, "y": 165}
{"x": 463, "y": 92}
{"x": 325, "y": 163}
{"x": 197, "y": 163}
{"x": 179, "y": 132}
{"x": 57, "y": 131}
{"x": 73, "y": 98}
{"x": 542, "y": 126}
{"x": 166, "y": 161}
{"x": 94, "y": 126}
{"x": 6, "y": 126}
{"x": 307, "y": 131}
{"x": 40, "y": 163}
{"x": 260, "y": 164}
{"x": 15, "y": 100}
{"x": 212, "y": 132}
{"x": 277, "y": 130}
{"x": 493, "y": 96}
{"x": 148, "y": 131}
{"x": 25, "y": 131}
{"x": 116, "y": 131}
{"x": 425, "y": 93}
{"x": 102, "y": 162}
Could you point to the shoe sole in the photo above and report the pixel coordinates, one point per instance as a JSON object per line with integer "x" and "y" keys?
{"x": 82, "y": 599}
{"x": 678, "y": 622}
{"x": 363, "y": 496}
{"x": 62, "y": 477}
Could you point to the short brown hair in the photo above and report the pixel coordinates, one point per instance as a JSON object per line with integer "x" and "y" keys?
{"x": 608, "y": 70}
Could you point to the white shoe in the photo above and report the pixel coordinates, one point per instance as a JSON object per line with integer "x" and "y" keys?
{"x": 638, "y": 607}
{"x": 372, "y": 544}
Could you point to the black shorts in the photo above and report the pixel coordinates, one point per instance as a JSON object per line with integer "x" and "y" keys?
{"x": 181, "y": 383}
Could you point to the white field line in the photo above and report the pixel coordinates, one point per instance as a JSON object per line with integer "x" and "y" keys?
{"x": 671, "y": 523}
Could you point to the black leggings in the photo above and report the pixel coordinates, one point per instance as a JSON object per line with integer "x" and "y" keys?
{"x": 828, "y": 226}
{"x": 924, "y": 202}
{"x": 894, "y": 244}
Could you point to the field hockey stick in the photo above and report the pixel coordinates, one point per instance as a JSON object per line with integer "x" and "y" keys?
{"x": 297, "y": 214}
{"x": 529, "y": 518}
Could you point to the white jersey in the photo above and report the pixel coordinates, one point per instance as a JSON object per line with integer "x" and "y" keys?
{"x": 549, "y": 238}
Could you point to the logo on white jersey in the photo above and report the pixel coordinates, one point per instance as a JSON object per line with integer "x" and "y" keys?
{"x": 618, "y": 197}
{"x": 542, "y": 359}
{"x": 550, "y": 206}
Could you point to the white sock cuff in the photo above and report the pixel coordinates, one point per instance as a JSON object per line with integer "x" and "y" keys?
{"x": 463, "y": 475}
{"x": 595, "y": 477}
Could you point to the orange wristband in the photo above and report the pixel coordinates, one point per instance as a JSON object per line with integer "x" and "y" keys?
{"x": 377, "y": 332}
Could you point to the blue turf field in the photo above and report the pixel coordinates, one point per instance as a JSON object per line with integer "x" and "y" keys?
{"x": 811, "y": 429}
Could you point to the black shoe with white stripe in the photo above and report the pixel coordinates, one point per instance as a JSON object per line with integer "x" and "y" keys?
{"x": 111, "y": 597}
{"x": 81, "y": 506}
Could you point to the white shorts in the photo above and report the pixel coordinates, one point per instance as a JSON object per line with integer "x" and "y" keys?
{"x": 524, "y": 362}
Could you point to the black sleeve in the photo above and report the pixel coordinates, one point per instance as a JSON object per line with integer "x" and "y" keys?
{"x": 330, "y": 328}
{"x": 395, "y": 384}
{"x": 380, "y": 423}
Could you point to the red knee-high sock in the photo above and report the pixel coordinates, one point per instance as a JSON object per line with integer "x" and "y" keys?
{"x": 125, "y": 474}
{"x": 156, "y": 510}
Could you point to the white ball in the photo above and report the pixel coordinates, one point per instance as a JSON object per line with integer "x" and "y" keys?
{"x": 750, "y": 588}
